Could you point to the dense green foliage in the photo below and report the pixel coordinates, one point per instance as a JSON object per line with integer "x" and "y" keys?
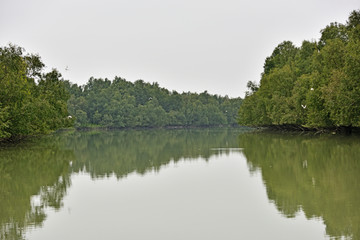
{"x": 315, "y": 85}
{"x": 31, "y": 102}
{"x": 120, "y": 103}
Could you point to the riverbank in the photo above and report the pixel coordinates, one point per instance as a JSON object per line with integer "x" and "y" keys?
{"x": 342, "y": 130}
{"x": 86, "y": 128}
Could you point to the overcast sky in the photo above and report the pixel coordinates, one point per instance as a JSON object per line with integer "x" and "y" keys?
{"x": 184, "y": 45}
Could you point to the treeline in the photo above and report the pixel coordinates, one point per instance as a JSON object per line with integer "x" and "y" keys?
{"x": 36, "y": 102}
{"x": 123, "y": 104}
{"x": 31, "y": 101}
{"x": 315, "y": 85}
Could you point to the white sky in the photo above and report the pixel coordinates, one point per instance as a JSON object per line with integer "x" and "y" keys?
{"x": 184, "y": 45}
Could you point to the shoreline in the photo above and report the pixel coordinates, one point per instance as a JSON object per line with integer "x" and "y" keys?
{"x": 88, "y": 128}
{"x": 20, "y": 139}
{"x": 335, "y": 130}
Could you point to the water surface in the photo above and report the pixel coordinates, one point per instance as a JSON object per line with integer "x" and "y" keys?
{"x": 180, "y": 184}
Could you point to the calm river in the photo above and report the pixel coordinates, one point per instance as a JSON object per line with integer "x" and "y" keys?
{"x": 181, "y": 184}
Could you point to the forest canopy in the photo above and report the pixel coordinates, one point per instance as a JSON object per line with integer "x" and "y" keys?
{"x": 122, "y": 104}
{"x": 314, "y": 85}
{"x": 33, "y": 101}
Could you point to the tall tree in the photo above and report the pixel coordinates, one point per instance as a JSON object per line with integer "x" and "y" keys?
{"x": 316, "y": 85}
{"x": 31, "y": 102}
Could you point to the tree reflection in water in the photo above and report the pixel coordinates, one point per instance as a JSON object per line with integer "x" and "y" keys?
{"x": 316, "y": 174}
{"x": 43, "y": 167}
{"x": 26, "y": 170}
{"x": 319, "y": 175}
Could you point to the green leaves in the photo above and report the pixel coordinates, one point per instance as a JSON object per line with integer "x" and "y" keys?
{"x": 121, "y": 104}
{"x": 283, "y": 54}
{"x": 316, "y": 85}
{"x": 29, "y": 107}
{"x": 4, "y": 122}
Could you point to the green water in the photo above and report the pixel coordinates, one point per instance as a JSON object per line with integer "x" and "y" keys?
{"x": 181, "y": 184}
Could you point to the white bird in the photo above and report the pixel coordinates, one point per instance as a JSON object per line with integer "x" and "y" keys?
{"x": 303, "y": 106}
{"x": 312, "y": 89}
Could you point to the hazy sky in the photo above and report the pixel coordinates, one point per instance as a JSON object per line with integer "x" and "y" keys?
{"x": 184, "y": 45}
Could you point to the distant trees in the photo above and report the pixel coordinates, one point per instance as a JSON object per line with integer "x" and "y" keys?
{"x": 120, "y": 103}
{"x": 314, "y": 85}
{"x": 35, "y": 102}
{"x": 31, "y": 101}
